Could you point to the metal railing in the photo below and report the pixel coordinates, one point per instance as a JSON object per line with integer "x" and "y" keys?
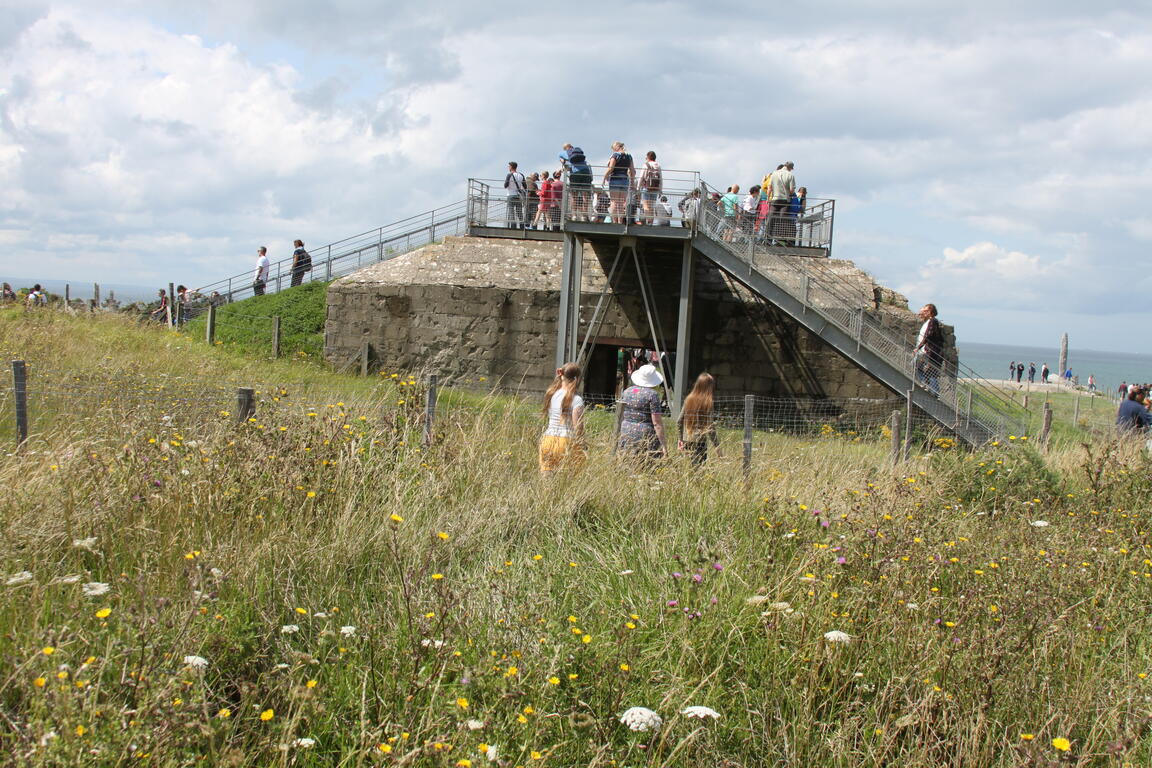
{"x": 343, "y": 256}
{"x": 969, "y": 400}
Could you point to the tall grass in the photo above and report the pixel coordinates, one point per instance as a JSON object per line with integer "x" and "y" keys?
{"x": 449, "y": 604}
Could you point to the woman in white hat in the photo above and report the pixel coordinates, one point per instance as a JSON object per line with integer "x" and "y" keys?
{"x": 641, "y": 425}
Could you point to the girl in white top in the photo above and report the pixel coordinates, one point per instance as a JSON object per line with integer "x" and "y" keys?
{"x": 562, "y": 442}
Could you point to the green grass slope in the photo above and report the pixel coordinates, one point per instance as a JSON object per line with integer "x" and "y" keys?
{"x": 316, "y": 587}
{"x": 247, "y": 325}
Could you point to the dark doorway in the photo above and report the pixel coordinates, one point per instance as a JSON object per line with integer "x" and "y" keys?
{"x": 603, "y": 374}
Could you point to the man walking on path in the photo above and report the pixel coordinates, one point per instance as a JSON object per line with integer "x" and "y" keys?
{"x": 515, "y": 185}
{"x": 783, "y": 186}
{"x": 262, "y": 269}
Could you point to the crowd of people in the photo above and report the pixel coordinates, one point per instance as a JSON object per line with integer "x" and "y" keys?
{"x": 641, "y": 436}
{"x": 1016, "y": 373}
{"x": 635, "y": 193}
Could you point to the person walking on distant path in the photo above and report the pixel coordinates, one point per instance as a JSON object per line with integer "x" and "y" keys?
{"x": 160, "y": 313}
{"x": 1132, "y": 417}
{"x": 263, "y": 267}
{"x": 515, "y": 186}
{"x": 1011, "y": 370}
{"x": 1031, "y": 373}
{"x": 929, "y": 349}
{"x": 1019, "y": 372}
{"x": 301, "y": 263}
{"x": 1091, "y": 382}
{"x": 697, "y": 422}
{"x": 1044, "y": 373}
{"x": 780, "y": 199}
{"x": 562, "y": 444}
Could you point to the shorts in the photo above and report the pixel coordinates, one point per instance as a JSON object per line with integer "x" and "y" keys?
{"x": 649, "y": 196}
{"x": 560, "y": 452}
{"x": 580, "y": 179}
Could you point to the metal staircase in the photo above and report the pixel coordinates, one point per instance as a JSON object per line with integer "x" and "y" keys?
{"x": 834, "y": 309}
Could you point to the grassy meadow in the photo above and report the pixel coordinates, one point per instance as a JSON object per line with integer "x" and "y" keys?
{"x": 315, "y": 587}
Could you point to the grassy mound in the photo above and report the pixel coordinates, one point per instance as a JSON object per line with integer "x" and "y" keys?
{"x": 317, "y": 587}
{"x": 246, "y": 325}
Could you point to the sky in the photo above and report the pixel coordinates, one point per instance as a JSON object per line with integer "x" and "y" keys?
{"x": 990, "y": 157}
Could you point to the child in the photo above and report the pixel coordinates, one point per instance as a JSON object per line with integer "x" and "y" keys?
{"x": 697, "y": 425}
{"x": 562, "y": 442}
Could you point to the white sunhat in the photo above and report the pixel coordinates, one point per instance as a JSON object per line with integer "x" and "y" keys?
{"x": 647, "y": 376}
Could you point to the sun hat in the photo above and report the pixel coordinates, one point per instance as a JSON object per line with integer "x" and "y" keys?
{"x": 647, "y": 376}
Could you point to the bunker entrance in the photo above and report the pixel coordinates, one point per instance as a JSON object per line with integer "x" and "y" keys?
{"x": 611, "y": 362}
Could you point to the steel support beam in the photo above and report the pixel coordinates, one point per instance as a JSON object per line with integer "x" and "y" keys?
{"x": 684, "y": 326}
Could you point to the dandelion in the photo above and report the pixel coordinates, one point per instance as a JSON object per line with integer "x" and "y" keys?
{"x": 641, "y": 719}
{"x": 1061, "y": 744}
{"x": 700, "y": 713}
{"x": 103, "y": 613}
{"x": 95, "y": 589}
{"x": 267, "y": 715}
{"x": 304, "y": 743}
{"x": 462, "y": 703}
{"x": 39, "y": 682}
{"x": 289, "y": 629}
{"x": 16, "y": 579}
{"x": 836, "y": 636}
{"x": 195, "y": 662}
{"x": 47, "y": 650}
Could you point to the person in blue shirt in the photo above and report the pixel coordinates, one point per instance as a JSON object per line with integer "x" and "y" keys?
{"x": 1132, "y": 417}
{"x": 579, "y": 180}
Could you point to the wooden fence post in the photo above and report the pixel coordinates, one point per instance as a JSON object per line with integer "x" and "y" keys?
{"x": 171, "y": 318}
{"x": 894, "y": 428}
{"x": 1076, "y": 411}
{"x": 430, "y": 409}
{"x": 749, "y": 416}
{"x": 20, "y": 390}
{"x": 364, "y": 350}
{"x": 1046, "y": 427}
{"x": 210, "y": 326}
{"x": 245, "y": 404}
{"x": 908, "y": 426}
{"x": 276, "y": 336}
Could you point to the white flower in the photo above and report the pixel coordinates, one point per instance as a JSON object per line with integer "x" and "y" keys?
{"x": 216, "y": 573}
{"x": 474, "y": 725}
{"x": 320, "y": 615}
{"x": 836, "y": 636}
{"x": 87, "y": 544}
{"x": 641, "y": 719}
{"x": 912, "y": 606}
{"x": 95, "y": 589}
{"x": 430, "y": 643}
{"x": 289, "y": 629}
{"x": 16, "y": 579}
{"x": 348, "y": 631}
{"x": 491, "y": 753}
{"x": 71, "y": 578}
{"x": 1039, "y": 523}
{"x": 780, "y": 607}
{"x": 628, "y": 572}
{"x": 304, "y": 743}
{"x": 700, "y": 713}
{"x": 757, "y": 599}
{"x": 195, "y": 662}
{"x": 281, "y": 666}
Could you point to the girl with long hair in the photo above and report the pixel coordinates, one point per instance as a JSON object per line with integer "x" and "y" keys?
{"x": 697, "y": 424}
{"x": 562, "y": 442}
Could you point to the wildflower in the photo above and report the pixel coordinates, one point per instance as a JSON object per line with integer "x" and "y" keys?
{"x": 836, "y": 636}
{"x": 304, "y": 743}
{"x": 1039, "y": 523}
{"x": 267, "y": 715}
{"x": 395, "y": 518}
{"x": 47, "y": 650}
{"x": 1027, "y": 736}
{"x": 474, "y": 725}
{"x": 430, "y": 643}
{"x": 39, "y": 682}
{"x": 195, "y": 662}
{"x": 1061, "y": 744}
{"x": 757, "y": 599}
{"x": 442, "y": 535}
{"x": 553, "y": 680}
{"x": 289, "y": 629}
{"x": 310, "y": 684}
{"x": 490, "y": 753}
{"x": 641, "y": 719}
{"x": 462, "y": 703}
{"x": 95, "y": 589}
{"x": 103, "y": 613}
{"x": 700, "y": 713}
{"x": 16, "y": 579}
{"x": 437, "y": 576}
{"x": 86, "y": 544}
{"x": 628, "y": 572}
{"x": 348, "y": 631}
{"x": 912, "y": 606}
{"x": 72, "y": 578}
{"x": 779, "y": 607}
{"x": 224, "y": 713}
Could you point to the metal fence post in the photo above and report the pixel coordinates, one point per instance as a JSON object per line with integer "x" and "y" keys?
{"x": 749, "y": 414}
{"x": 430, "y": 409}
{"x": 328, "y": 265}
{"x": 894, "y": 428}
{"x": 245, "y": 404}
{"x": 908, "y": 425}
{"x": 276, "y": 336}
{"x": 20, "y": 390}
{"x": 210, "y": 326}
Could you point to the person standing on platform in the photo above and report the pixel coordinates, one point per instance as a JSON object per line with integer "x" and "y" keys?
{"x": 651, "y": 185}
{"x": 579, "y": 181}
{"x": 1031, "y": 373}
{"x": 263, "y": 267}
{"x": 780, "y": 200}
{"x": 515, "y": 186}
{"x": 620, "y": 178}
{"x": 301, "y": 263}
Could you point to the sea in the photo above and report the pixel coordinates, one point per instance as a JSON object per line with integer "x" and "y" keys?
{"x": 990, "y": 361}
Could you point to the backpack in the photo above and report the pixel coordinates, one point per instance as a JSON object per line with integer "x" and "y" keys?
{"x": 576, "y": 156}
{"x": 653, "y": 179}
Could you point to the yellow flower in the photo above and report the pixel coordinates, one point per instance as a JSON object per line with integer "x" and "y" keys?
{"x": 81, "y": 730}
{"x": 267, "y": 715}
{"x": 625, "y": 668}
{"x": 437, "y": 576}
{"x": 224, "y": 713}
{"x": 395, "y": 518}
{"x": 1027, "y": 736}
{"x": 301, "y": 611}
{"x": 554, "y": 681}
{"x": 39, "y": 682}
{"x": 462, "y": 703}
{"x": 310, "y": 684}
{"x": 443, "y": 535}
{"x": 385, "y": 748}
{"x": 47, "y": 650}
{"x": 1061, "y": 743}
{"x": 536, "y": 755}
{"x": 103, "y": 613}
{"x": 463, "y": 763}
{"x": 586, "y": 639}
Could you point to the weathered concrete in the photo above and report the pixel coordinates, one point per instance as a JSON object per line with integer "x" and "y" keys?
{"x": 481, "y": 307}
